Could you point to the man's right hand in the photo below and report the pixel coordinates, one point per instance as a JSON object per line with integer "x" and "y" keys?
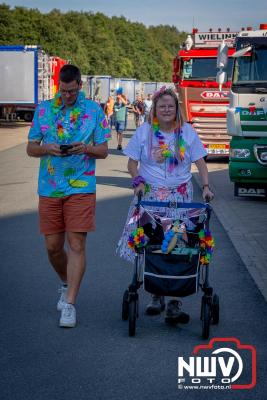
{"x": 52, "y": 149}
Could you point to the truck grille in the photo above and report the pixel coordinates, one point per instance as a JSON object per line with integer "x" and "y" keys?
{"x": 211, "y": 130}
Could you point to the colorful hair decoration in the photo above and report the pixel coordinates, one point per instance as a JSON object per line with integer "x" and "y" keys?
{"x": 137, "y": 238}
{"x": 206, "y": 245}
{"x": 158, "y": 92}
{"x": 155, "y": 124}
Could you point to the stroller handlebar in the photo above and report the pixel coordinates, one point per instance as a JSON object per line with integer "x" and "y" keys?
{"x": 172, "y": 204}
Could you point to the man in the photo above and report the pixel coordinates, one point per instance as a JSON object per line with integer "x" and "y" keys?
{"x": 120, "y": 111}
{"x": 147, "y": 106}
{"x": 68, "y": 133}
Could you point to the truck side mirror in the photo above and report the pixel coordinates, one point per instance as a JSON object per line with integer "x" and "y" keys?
{"x": 222, "y": 61}
{"x": 222, "y": 57}
{"x": 221, "y": 78}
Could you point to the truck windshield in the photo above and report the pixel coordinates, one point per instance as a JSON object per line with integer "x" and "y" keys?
{"x": 251, "y": 68}
{"x": 203, "y": 68}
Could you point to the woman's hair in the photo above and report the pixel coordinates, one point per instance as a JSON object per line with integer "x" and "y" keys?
{"x": 158, "y": 95}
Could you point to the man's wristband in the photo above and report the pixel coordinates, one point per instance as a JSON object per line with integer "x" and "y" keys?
{"x": 137, "y": 180}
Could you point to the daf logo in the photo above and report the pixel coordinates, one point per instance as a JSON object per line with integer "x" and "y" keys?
{"x": 262, "y": 99}
{"x": 215, "y": 95}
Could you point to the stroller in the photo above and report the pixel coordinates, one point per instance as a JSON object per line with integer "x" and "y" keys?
{"x": 176, "y": 273}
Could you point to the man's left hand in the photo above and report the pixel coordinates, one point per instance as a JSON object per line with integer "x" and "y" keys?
{"x": 78, "y": 148}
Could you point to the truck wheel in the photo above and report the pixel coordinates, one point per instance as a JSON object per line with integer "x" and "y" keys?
{"x": 28, "y": 116}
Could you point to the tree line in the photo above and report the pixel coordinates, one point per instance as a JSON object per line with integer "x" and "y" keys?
{"x": 99, "y": 45}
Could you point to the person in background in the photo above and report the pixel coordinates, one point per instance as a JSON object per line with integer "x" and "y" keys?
{"x": 120, "y": 109}
{"x": 128, "y": 107}
{"x": 161, "y": 153}
{"x": 68, "y": 134}
{"x": 147, "y": 106}
{"x": 139, "y": 111}
{"x": 109, "y": 109}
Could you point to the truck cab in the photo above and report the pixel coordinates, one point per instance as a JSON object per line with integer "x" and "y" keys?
{"x": 202, "y": 103}
{"x": 247, "y": 114}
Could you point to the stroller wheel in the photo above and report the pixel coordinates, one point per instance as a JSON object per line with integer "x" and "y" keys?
{"x": 206, "y": 317}
{"x": 133, "y": 304}
{"x": 125, "y": 306}
{"x": 215, "y": 310}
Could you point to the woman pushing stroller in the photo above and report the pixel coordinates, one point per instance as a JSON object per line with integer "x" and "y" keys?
{"x": 161, "y": 153}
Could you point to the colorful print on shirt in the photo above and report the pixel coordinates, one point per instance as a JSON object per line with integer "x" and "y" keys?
{"x": 52, "y": 123}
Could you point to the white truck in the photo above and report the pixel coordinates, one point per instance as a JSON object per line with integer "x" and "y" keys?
{"x": 28, "y": 76}
{"x": 247, "y": 112}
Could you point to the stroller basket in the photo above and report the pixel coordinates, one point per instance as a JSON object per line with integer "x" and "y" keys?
{"x": 175, "y": 274}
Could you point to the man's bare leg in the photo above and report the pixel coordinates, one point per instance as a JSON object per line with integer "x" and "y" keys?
{"x": 76, "y": 263}
{"x": 56, "y": 253}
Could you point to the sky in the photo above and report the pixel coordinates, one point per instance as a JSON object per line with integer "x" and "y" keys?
{"x": 183, "y": 14}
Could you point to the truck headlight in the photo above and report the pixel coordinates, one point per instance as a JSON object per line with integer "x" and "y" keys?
{"x": 239, "y": 153}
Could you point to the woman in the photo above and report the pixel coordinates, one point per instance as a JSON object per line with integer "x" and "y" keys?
{"x": 160, "y": 156}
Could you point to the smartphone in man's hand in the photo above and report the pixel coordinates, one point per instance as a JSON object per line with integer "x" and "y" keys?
{"x": 64, "y": 148}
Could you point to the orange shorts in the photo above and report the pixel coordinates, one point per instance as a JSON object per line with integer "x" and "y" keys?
{"x": 74, "y": 213}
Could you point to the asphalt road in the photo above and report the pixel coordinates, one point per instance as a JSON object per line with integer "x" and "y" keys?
{"x": 97, "y": 360}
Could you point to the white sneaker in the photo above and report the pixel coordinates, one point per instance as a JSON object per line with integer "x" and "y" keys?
{"x": 68, "y": 316}
{"x": 62, "y": 300}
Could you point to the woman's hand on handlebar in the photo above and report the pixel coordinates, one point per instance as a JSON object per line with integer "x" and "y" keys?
{"x": 139, "y": 188}
{"x": 207, "y": 194}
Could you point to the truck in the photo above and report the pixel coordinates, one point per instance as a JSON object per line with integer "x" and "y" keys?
{"x": 28, "y": 76}
{"x": 194, "y": 76}
{"x": 247, "y": 112}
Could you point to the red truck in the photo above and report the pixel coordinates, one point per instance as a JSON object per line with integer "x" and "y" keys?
{"x": 28, "y": 76}
{"x": 194, "y": 75}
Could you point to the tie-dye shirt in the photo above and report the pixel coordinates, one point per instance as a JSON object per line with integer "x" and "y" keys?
{"x": 84, "y": 122}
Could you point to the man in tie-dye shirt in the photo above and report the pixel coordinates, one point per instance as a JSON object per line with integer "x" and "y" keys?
{"x": 68, "y": 134}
